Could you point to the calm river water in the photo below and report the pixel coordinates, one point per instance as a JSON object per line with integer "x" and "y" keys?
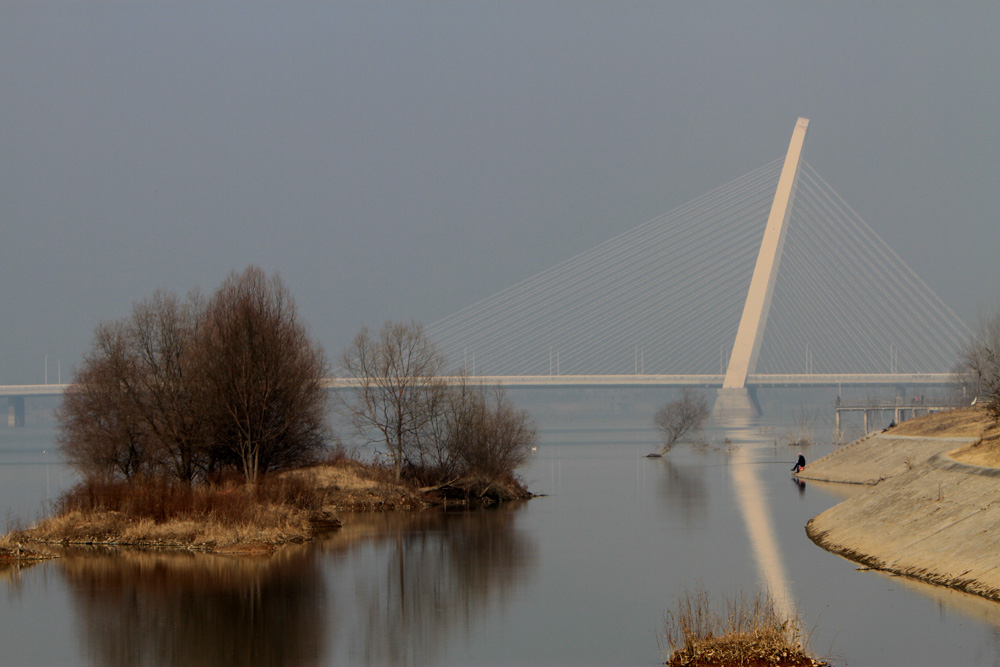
{"x": 581, "y": 576}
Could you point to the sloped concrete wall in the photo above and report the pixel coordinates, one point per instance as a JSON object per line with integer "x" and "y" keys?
{"x": 925, "y": 515}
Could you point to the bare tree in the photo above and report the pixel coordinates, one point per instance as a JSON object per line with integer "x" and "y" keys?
{"x": 399, "y": 393}
{"x": 161, "y": 332}
{"x": 489, "y": 436}
{"x": 979, "y": 363}
{"x": 258, "y": 377}
{"x": 475, "y": 434}
{"x": 180, "y": 389}
{"x": 101, "y": 432}
{"x": 432, "y": 458}
{"x": 682, "y": 417}
{"x": 132, "y": 389}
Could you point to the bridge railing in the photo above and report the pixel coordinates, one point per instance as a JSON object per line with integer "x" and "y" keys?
{"x": 639, "y": 380}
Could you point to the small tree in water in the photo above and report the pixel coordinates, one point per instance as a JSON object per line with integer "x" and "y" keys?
{"x": 680, "y": 418}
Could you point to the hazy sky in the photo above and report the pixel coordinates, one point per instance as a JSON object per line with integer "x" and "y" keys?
{"x": 402, "y": 160}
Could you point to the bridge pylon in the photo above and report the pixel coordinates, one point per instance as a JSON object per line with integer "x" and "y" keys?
{"x": 15, "y": 411}
{"x": 734, "y": 397}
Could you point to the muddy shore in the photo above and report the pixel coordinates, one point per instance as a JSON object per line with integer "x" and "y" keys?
{"x": 929, "y": 510}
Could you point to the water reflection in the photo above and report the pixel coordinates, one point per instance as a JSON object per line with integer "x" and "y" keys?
{"x": 427, "y": 577}
{"x": 157, "y": 608}
{"x": 686, "y": 492}
{"x": 387, "y": 589}
{"x": 760, "y": 527}
{"x": 583, "y": 576}
{"x": 11, "y": 575}
{"x": 972, "y": 606}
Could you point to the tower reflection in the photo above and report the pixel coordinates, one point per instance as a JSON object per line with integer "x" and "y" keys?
{"x": 753, "y": 506}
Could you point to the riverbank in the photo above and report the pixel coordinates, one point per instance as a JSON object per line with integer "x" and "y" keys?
{"x": 292, "y": 507}
{"x": 932, "y": 509}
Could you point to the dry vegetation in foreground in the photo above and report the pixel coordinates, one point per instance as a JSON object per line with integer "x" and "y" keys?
{"x": 749, "y": 631}
{"x": 230, "y": 516}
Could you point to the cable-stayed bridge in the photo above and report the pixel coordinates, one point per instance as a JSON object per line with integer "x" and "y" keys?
{"x": 695, "y": 297}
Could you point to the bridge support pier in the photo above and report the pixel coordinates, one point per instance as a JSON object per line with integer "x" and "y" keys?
{"x": 736, "y": 402}
{"x": 15, "y": 411}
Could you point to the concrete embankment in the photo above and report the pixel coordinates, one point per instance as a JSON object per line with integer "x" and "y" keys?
{"x": 925, "y": 515}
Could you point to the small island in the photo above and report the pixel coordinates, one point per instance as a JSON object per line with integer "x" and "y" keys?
{"x": 204, "y": 425}
{"x": 292, "y": 507}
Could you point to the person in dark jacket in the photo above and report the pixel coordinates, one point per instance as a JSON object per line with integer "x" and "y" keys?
{"x": 800, "y": 464}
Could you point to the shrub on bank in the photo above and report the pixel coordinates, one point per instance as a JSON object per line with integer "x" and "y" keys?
{"x": 430, "y": 431}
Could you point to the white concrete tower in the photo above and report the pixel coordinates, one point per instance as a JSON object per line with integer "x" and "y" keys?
{"x": 742, "y": 362}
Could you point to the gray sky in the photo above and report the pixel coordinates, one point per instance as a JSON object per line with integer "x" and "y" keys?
{"x": 403, "y": 160}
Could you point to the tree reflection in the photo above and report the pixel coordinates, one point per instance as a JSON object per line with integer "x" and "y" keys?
{"x": 399, "y": 585}
{"x": 429, "y": 575}
{"x": 156, "y": 608}
{"x": 685, "y": 491}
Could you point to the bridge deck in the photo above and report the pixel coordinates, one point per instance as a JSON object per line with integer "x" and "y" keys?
{"x": 705, "y": 381}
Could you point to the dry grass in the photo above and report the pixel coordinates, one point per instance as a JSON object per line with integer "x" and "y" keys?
{"x": 985, "y": 452}
{"x": 747, "y": 631}
{"x": 232, "y": 517}
{"x": 156, "y": 513}
{"x": 351, "y": 485}
{"x": 958, "y": 423}
{"x": 968, "y": 422}
{"x": 13, "y": 553}
{"x": 226, "y": 517}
